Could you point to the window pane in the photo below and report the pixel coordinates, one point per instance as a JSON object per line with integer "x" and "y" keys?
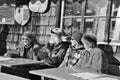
{"x": 96, "y": 20}
{"x": 70, "y": 25}
{"x": 72, "y": 8}
{"x": 95, "y": 17}
{"x": 115, "y": 9}
{"x": 95, "y": 26}
{"x": 115, "y": 23}
{"x": 115, "y": 29}
{"x": 96, "y": 7}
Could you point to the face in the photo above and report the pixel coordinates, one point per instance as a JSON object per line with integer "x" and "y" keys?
{"x": 26, "y": 41}
{"x": 74, "y": 42}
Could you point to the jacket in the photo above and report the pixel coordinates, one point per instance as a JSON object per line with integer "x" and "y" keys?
{"x": 98, "y": 61}
{"x": 56, "y": 53}
{"x": 74, "y": 56}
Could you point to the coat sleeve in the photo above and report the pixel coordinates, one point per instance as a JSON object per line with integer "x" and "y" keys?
{"x": 95, "y": 63}
{"x": 64, "y": 62}
{"x": 83, "y": 60}
{"x": 42, "y": 52}
{"x": 57, "y": 59}
{"x": 14, "y": 55}
{"x": 19, "y": 50}
{"x": 58, "y": 56}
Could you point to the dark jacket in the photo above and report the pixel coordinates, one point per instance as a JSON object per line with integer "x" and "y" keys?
{"x": 56, "y": 53}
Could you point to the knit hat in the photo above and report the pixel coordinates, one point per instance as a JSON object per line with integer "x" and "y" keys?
{"x": 77, "y": 35}
{"x": 90, "y": 37}
{"x": 56, "y": 31}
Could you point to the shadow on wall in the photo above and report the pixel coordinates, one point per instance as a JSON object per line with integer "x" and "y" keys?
{"x": 3, "y": 37}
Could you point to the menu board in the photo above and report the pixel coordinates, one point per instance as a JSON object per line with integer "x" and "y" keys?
{"x": 7, "y": 15}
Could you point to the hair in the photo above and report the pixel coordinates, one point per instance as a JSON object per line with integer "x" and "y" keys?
{"x": 30, "y": 36}
{"x": 90, "y": 38}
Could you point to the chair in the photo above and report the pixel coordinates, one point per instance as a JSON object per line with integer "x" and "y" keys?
{"x": 113, "y": 68}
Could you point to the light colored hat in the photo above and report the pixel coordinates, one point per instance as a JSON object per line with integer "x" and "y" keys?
{"x": 90, "y": 37}
{"x": 56, "y": 31}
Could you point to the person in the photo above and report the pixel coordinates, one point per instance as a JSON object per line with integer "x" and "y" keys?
{"x": 28, "y": 48}
{"x": 76, "y": 52}
{"x": 98, "y": 61}
{"x": 56, "y": 48}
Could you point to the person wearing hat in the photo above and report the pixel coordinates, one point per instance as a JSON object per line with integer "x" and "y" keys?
{"x": 98, "y": 61}
{"x": 75, "y": 52}
{"x": 56, "y": 48}
{"x": 27, "y": 48}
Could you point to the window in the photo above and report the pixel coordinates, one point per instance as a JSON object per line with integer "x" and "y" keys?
{"x": 90, "y": 16}
{"x": 115, "y": 21}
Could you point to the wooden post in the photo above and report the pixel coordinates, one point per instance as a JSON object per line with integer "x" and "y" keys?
{"x": 58, "y": 13}
{"x": 62, "y": 2}
{"x": 108, "y": 21}
{"x": 84, "y": 4}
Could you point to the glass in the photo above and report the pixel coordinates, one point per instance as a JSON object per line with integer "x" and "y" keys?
{"x": 116, "y": 8}
{"x": 95, "y": 17}
{"x": 96, "y": 7}
{"x": 71, "y": 25}
{"x": 72, "y": 8}
{"x": 96, "y": 26}
{"x": 115, "y": 21}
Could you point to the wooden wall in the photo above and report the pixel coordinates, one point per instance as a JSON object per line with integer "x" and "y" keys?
{"x": 10, "y": 35}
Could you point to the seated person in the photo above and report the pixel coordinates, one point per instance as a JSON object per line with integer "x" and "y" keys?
{"x": 75, "y": 52}
{"x": 98, "y": 61}
{"x": 28, "y": 48}
{"x": 55, "y": 48}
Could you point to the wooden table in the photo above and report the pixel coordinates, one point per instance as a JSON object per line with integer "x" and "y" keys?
{"x": 65, "y": 74}
{"x": 4, "y": 76}
{"x": 18, "y": 62}
{"x": 21, "y": 66}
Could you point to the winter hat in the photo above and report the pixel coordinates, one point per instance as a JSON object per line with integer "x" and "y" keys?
{"x": 90, "y": 37}
{"x": 77, "y": 35}
{"x": 56, "y": 31}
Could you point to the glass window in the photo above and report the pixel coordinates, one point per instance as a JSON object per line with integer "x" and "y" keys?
{"x": 115, "y": 21}
{"x": 95, "y": 17}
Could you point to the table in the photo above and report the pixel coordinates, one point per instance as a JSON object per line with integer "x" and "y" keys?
{"x": 4, "y": 76}
{"x": 9, "y": 62}
{"x": 21, "y": 66}
{"x": 66, "y": 74}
